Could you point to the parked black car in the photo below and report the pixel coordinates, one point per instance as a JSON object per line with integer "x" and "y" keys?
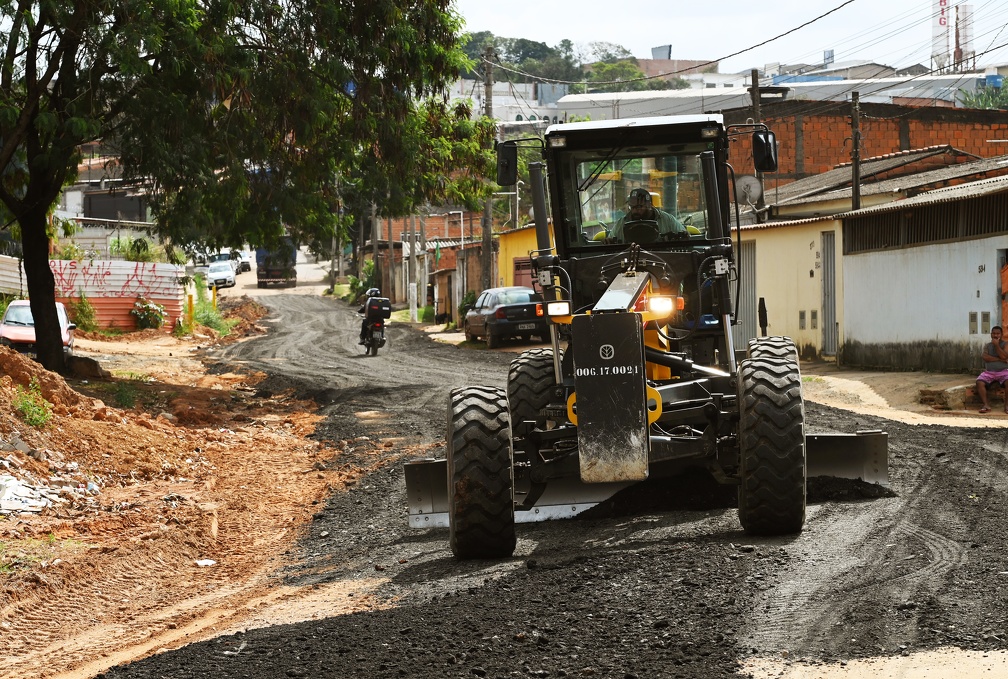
{"x": 500, "y": 313}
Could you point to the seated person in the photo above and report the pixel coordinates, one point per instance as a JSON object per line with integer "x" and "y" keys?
{"x": 640, "y": 206}
{"x": 995, "y": 358}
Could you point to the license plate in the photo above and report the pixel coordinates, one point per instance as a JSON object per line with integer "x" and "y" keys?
{"x": 526, "y": 326}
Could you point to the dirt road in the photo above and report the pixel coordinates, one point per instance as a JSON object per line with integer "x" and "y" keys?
{"x": 279, "y": 459}
{"x": 664, "y": 584}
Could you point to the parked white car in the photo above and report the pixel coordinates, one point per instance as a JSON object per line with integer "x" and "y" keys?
{"x": 220, "y": 274}
{"x": 230, "y": 257}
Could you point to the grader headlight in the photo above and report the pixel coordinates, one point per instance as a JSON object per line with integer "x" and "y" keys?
{"x": 661, "y": 305}
{"x": 560, "y": 307}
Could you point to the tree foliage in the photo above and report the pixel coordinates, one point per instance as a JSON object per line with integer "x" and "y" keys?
{"x": 985, "y": 98}
{"x": 237, "y": 117}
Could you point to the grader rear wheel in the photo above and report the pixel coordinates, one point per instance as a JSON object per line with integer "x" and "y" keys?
{"x": 771, "y": 446}
{"x": 530, "y": 382}
{"x": 481, "y": 519}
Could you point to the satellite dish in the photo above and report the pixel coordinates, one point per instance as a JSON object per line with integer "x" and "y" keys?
{"x": 747, "y": 189}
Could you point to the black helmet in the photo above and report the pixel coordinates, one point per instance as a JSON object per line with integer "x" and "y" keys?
{"x": 373, "y": 292}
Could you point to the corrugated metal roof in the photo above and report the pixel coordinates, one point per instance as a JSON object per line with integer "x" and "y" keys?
{"x": 983, "y": 187}
{"x": 913, "y": 181}
{"x": 841, "y": 175}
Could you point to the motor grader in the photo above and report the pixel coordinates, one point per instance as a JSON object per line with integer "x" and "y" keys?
{"x": 643, "y": 377}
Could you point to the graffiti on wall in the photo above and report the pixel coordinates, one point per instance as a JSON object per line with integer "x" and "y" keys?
{"x": 103, "y": 278}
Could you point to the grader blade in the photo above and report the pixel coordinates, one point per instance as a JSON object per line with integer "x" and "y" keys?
{"x": 863, "y": 456}
{"x": 427, "y": 496}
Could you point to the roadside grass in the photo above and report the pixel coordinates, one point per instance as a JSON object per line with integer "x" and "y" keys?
{"x": 812, "y": 379}
{"x": 205, "y": 313}
{"x": 30, "y": 552}
{"x": 424, "y": 315}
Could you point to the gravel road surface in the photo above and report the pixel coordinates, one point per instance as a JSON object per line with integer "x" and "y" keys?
{"x": 659, "y": 583}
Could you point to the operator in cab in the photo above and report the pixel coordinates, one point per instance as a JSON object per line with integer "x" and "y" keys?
{"x": 640, "y": 206}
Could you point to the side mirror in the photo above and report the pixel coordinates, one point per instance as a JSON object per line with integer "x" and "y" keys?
{"x": 507, "y": 163}
{"x": 764, "y": 151}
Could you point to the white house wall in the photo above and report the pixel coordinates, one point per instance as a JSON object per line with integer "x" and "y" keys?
{"x": 910, "y": 308}
{"x": 789, "y": 277}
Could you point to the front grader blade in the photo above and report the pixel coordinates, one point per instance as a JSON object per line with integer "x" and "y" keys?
{"x": 863, "y": 456}
{"x": 427, "y": 496}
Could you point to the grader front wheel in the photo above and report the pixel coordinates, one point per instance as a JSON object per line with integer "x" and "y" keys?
{"x": 771, "y": 445}
{"x": 481, "y": 519}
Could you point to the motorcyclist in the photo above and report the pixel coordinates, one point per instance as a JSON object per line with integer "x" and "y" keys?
{"x": 371, "y": 292}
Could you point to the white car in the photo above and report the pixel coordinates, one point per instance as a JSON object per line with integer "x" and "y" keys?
{"x": 220, "y": 274}
{"x": 244, "y": 261}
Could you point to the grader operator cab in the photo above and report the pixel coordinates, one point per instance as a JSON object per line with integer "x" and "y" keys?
{"x": 643, "y": 378}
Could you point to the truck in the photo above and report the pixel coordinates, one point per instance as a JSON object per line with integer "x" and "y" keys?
{"x": 642, "y": 378}
{"x": 276, "y": 264}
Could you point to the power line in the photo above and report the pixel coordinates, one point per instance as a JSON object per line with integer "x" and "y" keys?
{"x": 682, "y": 70}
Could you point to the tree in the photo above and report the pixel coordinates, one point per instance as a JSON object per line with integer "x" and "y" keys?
{"x": 236, "y": 116}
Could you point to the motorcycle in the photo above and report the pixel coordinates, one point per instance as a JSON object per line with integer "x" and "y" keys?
{"x": 376, "y": 310}
{"x": 374, "y": 336}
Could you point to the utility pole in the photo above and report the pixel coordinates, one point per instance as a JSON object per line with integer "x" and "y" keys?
{"x": 375, "y": 229}
{"x": 411, "y": 269}
{"x": 488, "y": 208}
{"x": 855, "y": 152}
{"x": 755, "y": 90}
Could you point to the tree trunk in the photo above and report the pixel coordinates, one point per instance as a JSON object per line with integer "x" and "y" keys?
{"x": 41, "y": 289}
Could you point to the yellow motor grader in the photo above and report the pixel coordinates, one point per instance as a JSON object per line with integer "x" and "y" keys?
{"x": 643, "y": 378}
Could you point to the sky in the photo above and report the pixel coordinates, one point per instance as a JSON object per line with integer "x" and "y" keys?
{"x": 892, "y": 32}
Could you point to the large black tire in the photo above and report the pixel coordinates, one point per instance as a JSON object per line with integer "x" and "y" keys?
{"x": 774, "y": 347}
{"x": 530, "y": 383}
{"x": 771, "y": 439}
{"x": 481, "y": 521}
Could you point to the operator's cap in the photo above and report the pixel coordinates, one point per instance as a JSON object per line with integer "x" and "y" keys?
{"x": 639, "y": 197}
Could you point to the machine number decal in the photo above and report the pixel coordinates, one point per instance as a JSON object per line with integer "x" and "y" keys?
{"x": 606, "y": 370}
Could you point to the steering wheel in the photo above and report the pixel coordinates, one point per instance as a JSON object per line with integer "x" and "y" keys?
{"x": 640, "y": 231}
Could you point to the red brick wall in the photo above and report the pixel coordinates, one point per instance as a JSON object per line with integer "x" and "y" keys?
{"x": 815, "y": 136}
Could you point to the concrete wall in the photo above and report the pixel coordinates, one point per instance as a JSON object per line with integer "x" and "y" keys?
{"x": 789, "y": 276}
{"x": 909, "y": 309}
{"x": 513, "y": 245}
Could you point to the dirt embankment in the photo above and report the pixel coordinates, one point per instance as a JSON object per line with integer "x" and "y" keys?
{"x": 159, "y": 499}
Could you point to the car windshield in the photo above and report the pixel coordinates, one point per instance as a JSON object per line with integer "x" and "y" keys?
{"x": 218, "y": 267}
{"x": 670, "y": 178}
{"x": 19, "y": 315}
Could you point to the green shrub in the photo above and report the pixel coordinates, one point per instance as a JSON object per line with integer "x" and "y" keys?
{"x": 468, "y": 299}
{"x": 125, "y": 395}
{"x": 35, "y": 410}
{"x": 148, "y": 314}
{"x": 365, "y": 282}
{"x": 82, "y": 313}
